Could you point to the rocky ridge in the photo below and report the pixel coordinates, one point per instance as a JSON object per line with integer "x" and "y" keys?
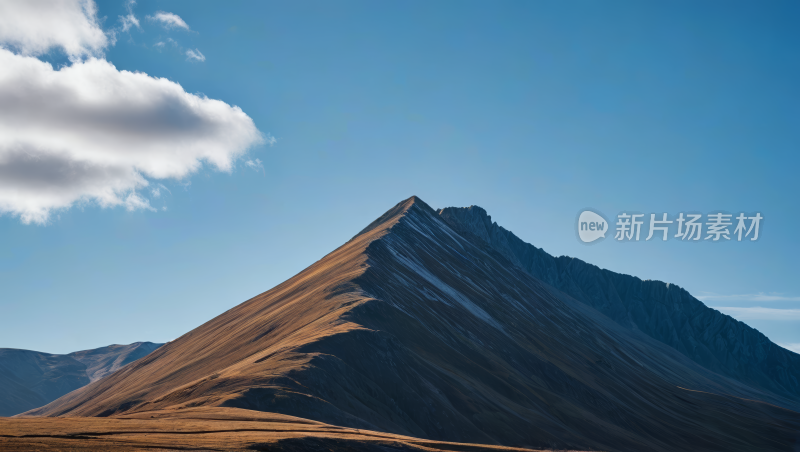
{"x": 660, "y": 310}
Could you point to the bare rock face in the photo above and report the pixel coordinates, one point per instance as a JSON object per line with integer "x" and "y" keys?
{"x": 30, "y": 379}
{"x": 415, "y": 328}
{"x": 660, "y": 310}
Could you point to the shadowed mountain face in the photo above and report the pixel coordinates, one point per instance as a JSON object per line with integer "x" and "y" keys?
{"x": 31, "y": 379}
{"x": 412, "y": 328}
{"x": 660, "y": 310}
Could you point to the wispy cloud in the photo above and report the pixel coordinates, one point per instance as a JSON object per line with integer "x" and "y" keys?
{"x": 761, "y": 296}
{"x": 160, "y": 45}
{"x": 195, "y": 55}
{"x": 135, "y": 202}
{"x": 795, "y": 347}
{"x": 129, "y": 20}
{"x": 759, "y": 313}
{"x": 156, "y": 191}
{"x": 168, "y": 20}
{"x": 256, "y": 165}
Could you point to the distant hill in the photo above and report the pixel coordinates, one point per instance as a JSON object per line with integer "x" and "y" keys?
{"x": 30, "y": 379}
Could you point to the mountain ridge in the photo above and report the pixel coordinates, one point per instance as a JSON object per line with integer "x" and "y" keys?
{"x": 411, "y": 328}
{"x": 30, "y": 379}
{"x": 610, "y": 293}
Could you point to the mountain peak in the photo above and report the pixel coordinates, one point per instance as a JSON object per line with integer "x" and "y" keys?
{"x": 391, "y": 216}
{"x": 417, "y": 201}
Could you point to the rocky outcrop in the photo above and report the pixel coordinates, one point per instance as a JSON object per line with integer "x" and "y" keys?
{"x": 660, "y": 310}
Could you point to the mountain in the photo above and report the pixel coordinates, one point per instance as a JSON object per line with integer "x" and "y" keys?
{"x": 415, "y": 329}
{"x": 30, "y": 379}
{"x": 107, "y": 360}
{"x": 660, "y": 310}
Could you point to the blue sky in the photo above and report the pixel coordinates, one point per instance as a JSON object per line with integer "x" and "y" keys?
{"x": 532, "y": 110}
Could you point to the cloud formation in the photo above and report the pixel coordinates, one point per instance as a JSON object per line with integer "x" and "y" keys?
{"x": 759, "y": 313}
{"x": 129, "y": 20}
{"x": 195, "y": 55}
{"x": 256, "y": 165}
{"x": 761, "y": 296}
{"x": 795, "y": 347}
{"x": 169, "y": 20}
{"x": 33, "y": 27}
{"x": 89, "y": 133}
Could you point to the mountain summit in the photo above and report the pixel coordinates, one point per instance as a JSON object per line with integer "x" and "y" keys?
{"x": 418, "y": 326}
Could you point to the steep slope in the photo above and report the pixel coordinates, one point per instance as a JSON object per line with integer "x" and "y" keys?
{"x": 30, "y": 379}
{"x": 661, "y": 310}
{"x": 412, "y": 329}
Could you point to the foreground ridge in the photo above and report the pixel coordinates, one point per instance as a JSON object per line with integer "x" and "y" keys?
{"x": 210, "y": 429}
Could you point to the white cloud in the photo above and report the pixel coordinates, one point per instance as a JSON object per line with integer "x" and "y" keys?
{"x": 129, "y": 20}
{"x": 761, "y": 296}
{"x": 135, "y": 202}
{"x": 33, "y": 27}
{"x": 89, "y": 133}
{"x": 759, "y": 313}
{"x": 156, "y": 191}
{"x": 256, "y": 164}
{"x": 195, "y": 55}
{"x": 793, "y": 347}
{"x": 160, "y": 45}
{"x": 169, "y": 20}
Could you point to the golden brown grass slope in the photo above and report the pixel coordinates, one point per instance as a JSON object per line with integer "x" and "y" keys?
{"x": 212, "y": 429}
